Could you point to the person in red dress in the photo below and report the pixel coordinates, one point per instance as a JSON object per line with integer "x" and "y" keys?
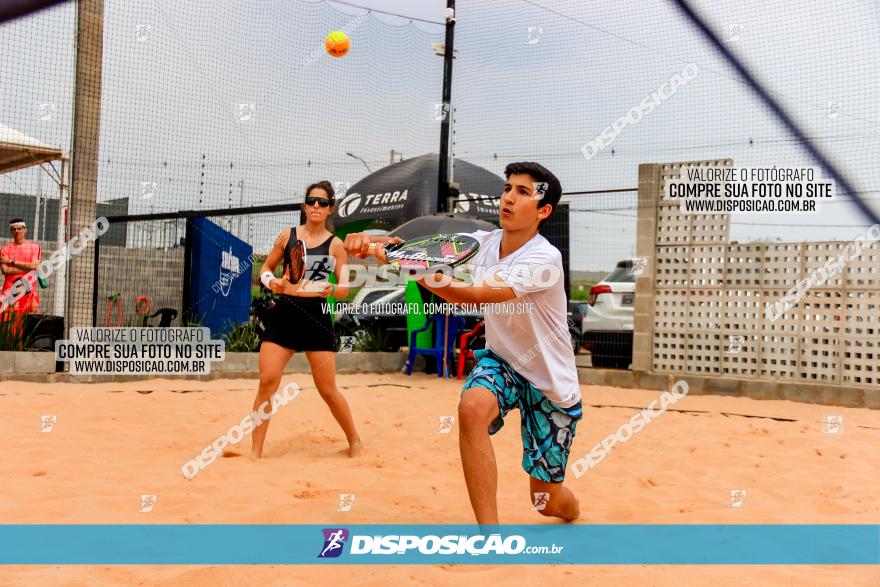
{"x": 18, "y": 260}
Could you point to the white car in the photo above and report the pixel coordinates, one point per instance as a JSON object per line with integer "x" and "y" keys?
{"x": 607, "y": 326}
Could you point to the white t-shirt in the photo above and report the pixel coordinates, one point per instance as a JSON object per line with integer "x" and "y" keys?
{"x": 533, "y": 339}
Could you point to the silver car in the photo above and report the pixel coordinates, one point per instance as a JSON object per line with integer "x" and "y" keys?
{"x": 608, "y": 324}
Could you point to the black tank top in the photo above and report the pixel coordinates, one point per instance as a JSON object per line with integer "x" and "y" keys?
{"x": 320, "y": 264}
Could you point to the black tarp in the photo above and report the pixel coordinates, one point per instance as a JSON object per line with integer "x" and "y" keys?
{"x": 400, "y": 192}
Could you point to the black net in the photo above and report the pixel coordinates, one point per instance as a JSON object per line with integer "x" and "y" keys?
{"x": 555, "y": 83}
{"x": 236, "y": 105}
{"x": 539, "y": 81}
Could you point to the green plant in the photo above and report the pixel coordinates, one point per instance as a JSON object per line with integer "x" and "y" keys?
{"x": 242, "y": 338}
{"x": 12, "y": 333}
{"x": 371, "y": 341}
{"x": 193, "y": 322}
{"x": 582, "y": 295}
{"x": 580, "y": 290}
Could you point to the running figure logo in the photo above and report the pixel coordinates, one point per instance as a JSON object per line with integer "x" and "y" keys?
{"x": 340, "y": 188}
{"x": 535, "y": 33}
{"x": 639, "y": 264}
{"x": 346, "y": 500}
{"x": 245, "y": 112}
{"x": 334, "y": 541}
{"x": 541, "y": 500}
{"x": 735, "y": 31}
{"x": 737, "y": 497}
{"x": 148, "y": 189}
{"x": 446, "y": 424}
{"x": 147, "y": 503}
{"x": 833, "y": 424}
{"x": 346, "y": 344}
{"x": 47, "y": 111}
{"x": 736, "y": 343}
{"x": 47, "y": 423}
{"x": 322, "y": 268}
{"x": 143, "y": 31}
{"x": 832, "y": 109}
{"x": 539, "y": 190}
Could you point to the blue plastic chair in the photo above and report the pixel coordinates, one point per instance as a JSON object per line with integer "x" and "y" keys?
{"x": 438, "y": 322}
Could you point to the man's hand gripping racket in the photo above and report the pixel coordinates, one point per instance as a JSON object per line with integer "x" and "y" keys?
{"x": 437, "y": 251}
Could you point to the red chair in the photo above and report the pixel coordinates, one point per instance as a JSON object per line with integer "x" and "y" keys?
{"x": 464, "y": 350}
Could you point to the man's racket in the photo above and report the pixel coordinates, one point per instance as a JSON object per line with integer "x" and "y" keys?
{"x": 435, "y": 251}
{"x": 296, "y": 262}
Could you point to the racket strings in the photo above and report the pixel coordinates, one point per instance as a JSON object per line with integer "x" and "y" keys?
{"x": 297, "y": 262}
{"x": 448, "y": 248}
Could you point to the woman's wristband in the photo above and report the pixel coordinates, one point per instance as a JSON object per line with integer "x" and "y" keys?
{"x": 266, "y": 278}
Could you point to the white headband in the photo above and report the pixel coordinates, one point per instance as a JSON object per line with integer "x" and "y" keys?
{"x": 17, "y": 225}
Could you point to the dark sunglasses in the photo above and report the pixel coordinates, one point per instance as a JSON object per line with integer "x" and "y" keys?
{"x": 322, "y": 202}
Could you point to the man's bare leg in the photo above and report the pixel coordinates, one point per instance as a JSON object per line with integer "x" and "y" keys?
{"x": 477, "y": 409}
{"x": 561, "y": 503}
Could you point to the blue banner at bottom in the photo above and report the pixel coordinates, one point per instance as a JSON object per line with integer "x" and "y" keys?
{"x": 228, "y": 544}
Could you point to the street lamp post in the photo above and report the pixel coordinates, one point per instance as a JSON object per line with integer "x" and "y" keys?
{"x": 352, "y": 155}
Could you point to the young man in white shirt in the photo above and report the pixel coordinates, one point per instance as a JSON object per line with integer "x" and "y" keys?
{"x": 528, "y": 362}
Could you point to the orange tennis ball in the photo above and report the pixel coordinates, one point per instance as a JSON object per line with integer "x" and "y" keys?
{"x": 337, "y": 44}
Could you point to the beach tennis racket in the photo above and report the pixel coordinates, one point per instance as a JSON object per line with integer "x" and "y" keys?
{"x": 296, "y": 262}
{"x": 435, "y": 251}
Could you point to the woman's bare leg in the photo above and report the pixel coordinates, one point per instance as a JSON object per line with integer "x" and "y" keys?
{"x": 273, "y": 358}
{"x": 323, "y": 365}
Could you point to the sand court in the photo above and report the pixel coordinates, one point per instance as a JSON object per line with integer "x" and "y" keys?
{"x": 112, "y": 443}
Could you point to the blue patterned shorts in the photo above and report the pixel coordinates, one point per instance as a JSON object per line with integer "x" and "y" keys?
{"x": 547, "y": 429}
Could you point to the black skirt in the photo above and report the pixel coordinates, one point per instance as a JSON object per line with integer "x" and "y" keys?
{"x": 301, "y": 326}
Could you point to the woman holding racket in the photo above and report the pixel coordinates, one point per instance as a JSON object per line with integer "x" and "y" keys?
{"x": 309, "y": 253}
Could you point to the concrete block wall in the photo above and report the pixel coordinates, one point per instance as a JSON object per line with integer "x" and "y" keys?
{"x": 699, "y": 293}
